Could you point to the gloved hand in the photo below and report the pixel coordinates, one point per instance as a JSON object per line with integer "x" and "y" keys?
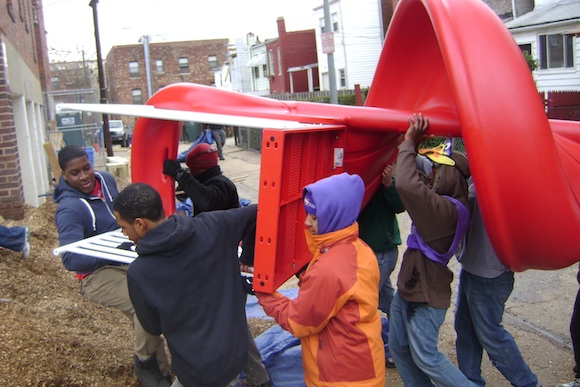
{"x": 248, "y": 284}
{"x": 172, "y": 168}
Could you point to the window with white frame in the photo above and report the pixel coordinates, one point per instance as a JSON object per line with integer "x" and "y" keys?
{"x": 54, "y": 82}
{"x": 279, "y": 54}
{"x": 271, "y": 62}
{"x": 134, "y": 69}
{"x": 333, "y": 23}
{"x": 256, "y": 71}
{"x": 137, "y": 96}
{"x": 183, "y": 65}
{"x": 159, "y": 66}
{"x": 556, "y": 51}
{"x": 212, "y": 62}
{"x": 342, "y": 74}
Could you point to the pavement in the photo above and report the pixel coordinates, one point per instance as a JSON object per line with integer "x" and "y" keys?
{"x": 537, "y": 313}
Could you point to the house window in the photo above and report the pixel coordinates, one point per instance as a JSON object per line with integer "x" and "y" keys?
{"x": 342, "y": 74}
{"x": 265, "y": 70}
{"x": 212, "y": 62}
{"x": 183, "y": 65}
{"x": 333, "y": 23}
{"x": 556, "y": 51}
{"x": 279, "y": 62}
{"x": 137, "y": 96}
{"x": 159, "y": 66}
{"x": 271, "y": 62}
{"x": 54, "y": 82}
{"x": 256, "y": 71}
{"x": 526, "y": 48}
{"x": 134, "y": 69}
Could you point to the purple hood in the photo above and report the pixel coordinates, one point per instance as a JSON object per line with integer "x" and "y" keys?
{"x": 338, "y": 200}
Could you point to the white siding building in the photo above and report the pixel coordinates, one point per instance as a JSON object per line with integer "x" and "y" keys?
{"x": 358, "y": 41}
{"x": 550, "y": 34}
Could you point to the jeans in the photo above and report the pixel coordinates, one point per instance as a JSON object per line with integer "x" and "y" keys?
{"x": 480, "y": 306}
{"x": 387, "y": 262}
{"x": 13, "y": 238}
{"x": 413, "y": 344}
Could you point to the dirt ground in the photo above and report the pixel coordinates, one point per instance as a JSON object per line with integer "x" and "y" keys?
{"x": 51, "y": 336}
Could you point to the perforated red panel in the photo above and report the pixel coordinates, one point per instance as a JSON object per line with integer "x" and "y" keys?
{"x": 291, "y": 159}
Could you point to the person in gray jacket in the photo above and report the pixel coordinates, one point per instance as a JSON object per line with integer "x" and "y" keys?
{"x": 485, "y": 285}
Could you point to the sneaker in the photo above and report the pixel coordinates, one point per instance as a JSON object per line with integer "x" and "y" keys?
{"x": 26, "y": 249}
{"x": 390, "y": 363}
{"x": 149, "y": 374}
{"x": 573, "y": 383}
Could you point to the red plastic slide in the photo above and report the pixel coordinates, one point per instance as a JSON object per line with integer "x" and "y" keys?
{"x": 455, "y": 62}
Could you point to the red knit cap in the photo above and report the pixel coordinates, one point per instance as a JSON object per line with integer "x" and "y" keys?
{"x": 202, "y": 156}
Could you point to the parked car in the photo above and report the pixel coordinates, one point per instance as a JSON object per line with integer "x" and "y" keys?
{"x": 119, "y": 133}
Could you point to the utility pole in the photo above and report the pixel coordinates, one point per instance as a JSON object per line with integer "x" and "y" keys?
{"x": 330, "y": 55}
{"x": 106, "y": 131}
{"x": 147, "y": 54}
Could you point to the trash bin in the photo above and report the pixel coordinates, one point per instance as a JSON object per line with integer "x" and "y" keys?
{"x": 192, "y": 131}
{"x": 91, "y": 154}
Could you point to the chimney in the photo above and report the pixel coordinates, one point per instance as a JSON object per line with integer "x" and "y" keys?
{"x": 281, "y": 26}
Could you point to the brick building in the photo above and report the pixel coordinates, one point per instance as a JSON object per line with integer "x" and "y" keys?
{"x": 24, "y": 75}
{"x": 129, "y": 82}
{"x": 292, "y": 60}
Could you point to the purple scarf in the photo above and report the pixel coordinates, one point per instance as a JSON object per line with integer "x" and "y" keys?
{"x": 416, "y": 242}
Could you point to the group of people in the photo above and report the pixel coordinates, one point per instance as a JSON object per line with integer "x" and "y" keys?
{"x": 186, "y": 284}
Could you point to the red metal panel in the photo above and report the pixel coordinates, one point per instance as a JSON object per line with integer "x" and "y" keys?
{"x": 291, "y": 160}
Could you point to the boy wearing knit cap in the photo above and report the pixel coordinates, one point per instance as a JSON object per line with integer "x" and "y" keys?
{"x": 335, "y": 314}
{"x": 210, "y": 190}
{"x": 205, "y": 184}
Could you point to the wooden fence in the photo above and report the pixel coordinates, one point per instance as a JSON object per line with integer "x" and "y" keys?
{"x": 562, "y": 105}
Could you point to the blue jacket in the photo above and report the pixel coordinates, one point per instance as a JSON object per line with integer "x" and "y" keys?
{"x": 79, "y": 216}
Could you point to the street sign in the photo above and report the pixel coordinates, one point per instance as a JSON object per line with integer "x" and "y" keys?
{"x": 327, "y": 42}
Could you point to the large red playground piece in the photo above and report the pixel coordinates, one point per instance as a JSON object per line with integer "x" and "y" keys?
{"x": 526, "y": 167}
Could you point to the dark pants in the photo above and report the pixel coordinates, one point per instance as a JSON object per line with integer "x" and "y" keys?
{"x": 219, "y": 135}
{"x": 575, "y": 333}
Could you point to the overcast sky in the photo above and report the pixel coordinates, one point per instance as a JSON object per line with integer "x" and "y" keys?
{"x": 69, "y": 23}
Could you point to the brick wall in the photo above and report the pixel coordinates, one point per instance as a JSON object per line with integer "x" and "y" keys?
{"x": 11, "y": 189}
{"x": 121, "y": 84}
{"x": 17, "y": 23}
{"x": 297, "y": 48}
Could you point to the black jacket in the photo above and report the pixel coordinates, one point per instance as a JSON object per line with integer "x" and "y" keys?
{"x": 186, "y": 284}
{"x": 209, "y": 191}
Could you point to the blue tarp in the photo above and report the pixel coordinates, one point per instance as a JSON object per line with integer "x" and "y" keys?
{"x": 205, "y": 136}
{"x": 281, "y": 352}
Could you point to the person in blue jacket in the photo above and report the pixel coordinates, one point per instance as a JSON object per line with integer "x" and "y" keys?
{"x": 85, "y": 209}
